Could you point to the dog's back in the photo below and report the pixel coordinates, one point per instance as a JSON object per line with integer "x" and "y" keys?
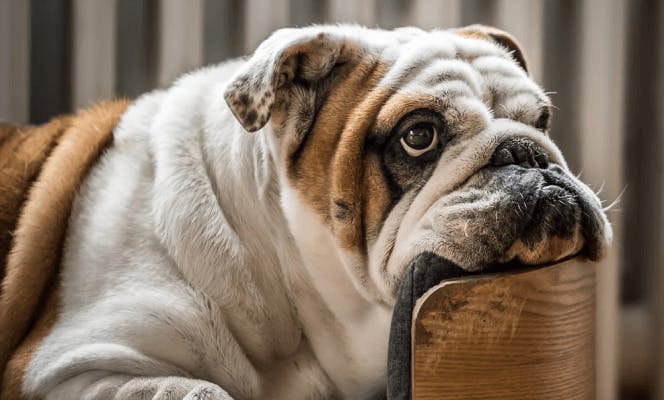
{"x": 41, "y": 168}
{"x": 23, "y": 150}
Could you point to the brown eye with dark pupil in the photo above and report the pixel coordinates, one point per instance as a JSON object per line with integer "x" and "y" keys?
{"x": 419, "y": 137}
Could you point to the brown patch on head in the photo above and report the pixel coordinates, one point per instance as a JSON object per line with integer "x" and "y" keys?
{"x": 499, "y": 36}
{"x": 33, "y": 261}
{"x": 401, "y": 104}
{"x": 330, "y": 169}
{"x": 468, "y": 121}
{"x": 348, "y": 170}
{"x": 376, "y": 197}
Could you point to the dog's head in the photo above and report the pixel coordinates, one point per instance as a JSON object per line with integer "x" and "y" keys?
{"x": 403, "y": 142}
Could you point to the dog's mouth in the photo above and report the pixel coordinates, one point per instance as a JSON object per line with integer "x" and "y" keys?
{"x": 561, "y": 214}
{"x": 516, "y": 215}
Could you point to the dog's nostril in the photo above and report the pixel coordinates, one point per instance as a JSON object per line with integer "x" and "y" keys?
{"x": 521, "y": 152}
{"x": 502, "y": 156}
{"x": 541, "y": 159}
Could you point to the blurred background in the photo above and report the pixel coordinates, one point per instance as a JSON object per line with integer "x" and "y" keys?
{"x": 602, "y": 61}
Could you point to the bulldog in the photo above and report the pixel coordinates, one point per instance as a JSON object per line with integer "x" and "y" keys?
{"x": 164, "y": 251}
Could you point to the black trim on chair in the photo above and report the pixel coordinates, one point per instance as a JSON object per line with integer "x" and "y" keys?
{"x": 424, "y": 272}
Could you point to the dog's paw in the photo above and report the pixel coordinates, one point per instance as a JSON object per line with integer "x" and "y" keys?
{"x": 171, "y": 388}
{"x": 206, "y": 391}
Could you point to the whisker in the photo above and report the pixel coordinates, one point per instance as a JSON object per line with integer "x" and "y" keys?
{"x": 600, "y": 189}
{"x": 616, "y": 201}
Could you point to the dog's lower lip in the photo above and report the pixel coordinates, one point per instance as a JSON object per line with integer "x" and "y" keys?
{"x": 510, "y": 266}
{"x": 516, "y": 265}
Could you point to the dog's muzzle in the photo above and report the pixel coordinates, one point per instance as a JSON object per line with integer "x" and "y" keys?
{"x": 520, "y": 207}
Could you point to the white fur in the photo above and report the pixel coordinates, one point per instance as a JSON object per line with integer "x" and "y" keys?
{"x": 179, "y": 261}
{"x": 188, "y": 256}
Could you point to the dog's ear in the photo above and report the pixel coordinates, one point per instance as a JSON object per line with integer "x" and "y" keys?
{"x": 498, "y": 36}
{"x": 288, "y": 55}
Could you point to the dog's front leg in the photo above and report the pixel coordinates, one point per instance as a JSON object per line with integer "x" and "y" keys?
{"x": 99, "y": 385}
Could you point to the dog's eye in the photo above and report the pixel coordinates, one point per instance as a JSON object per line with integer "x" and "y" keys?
{"x": 419, "y": 139}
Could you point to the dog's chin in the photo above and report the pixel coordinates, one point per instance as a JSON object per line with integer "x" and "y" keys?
{"x": 517, "y": 215}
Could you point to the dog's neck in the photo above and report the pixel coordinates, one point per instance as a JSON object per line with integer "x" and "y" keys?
{"x": 247, "y": 173}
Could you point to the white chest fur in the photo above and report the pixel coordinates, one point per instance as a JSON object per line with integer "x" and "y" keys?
{"x": 348, "y": 334}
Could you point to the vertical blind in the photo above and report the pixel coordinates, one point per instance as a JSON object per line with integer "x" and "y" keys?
{"x": 602, "y": 61}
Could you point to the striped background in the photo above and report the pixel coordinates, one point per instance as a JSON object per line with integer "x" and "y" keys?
{"x": 602, "y": 59}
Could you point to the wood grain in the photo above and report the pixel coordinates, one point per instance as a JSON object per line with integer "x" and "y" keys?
{"x": 527, "y": 335}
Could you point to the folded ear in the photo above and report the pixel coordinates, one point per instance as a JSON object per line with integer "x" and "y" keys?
{"x": 289, "y": 54}
{"x": 498, "y": 36}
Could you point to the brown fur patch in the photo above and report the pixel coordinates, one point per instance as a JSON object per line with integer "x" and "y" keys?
{"x": 551, "y": 249}
{"x": 376, "y": 199}
{"x": 401, "y": 104}
{"x": 330, "y": 170}
{"x": 17, "y": 366}
{"x": 33, "y": 261}
{"x": 499, "y": 36}
{"x": 23, "y": 150}
{"x": 348, "y": 171}
{"x": 456, "y": 119}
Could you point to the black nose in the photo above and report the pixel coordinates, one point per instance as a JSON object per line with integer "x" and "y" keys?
{"x": 520, "y": 151}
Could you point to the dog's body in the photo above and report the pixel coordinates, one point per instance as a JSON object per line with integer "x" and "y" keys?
{"x": 189, "y": 264}
{"x": 202, "y": 259}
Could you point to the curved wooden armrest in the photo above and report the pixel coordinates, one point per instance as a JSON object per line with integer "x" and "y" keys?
{"x": 523, "y": 335}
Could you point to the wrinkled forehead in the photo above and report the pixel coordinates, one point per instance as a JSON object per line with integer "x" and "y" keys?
{"x": 468, "y": 80}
